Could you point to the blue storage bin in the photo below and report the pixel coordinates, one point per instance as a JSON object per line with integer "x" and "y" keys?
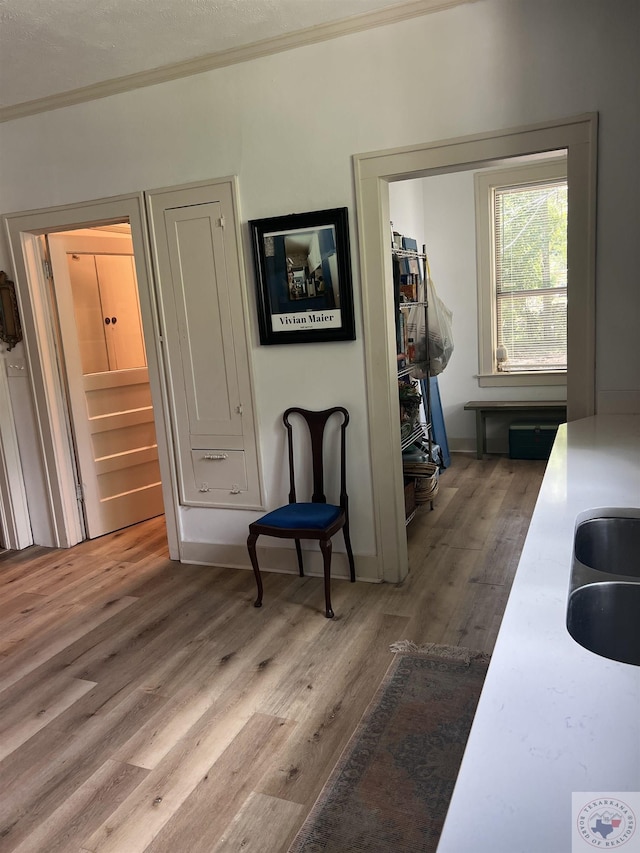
{"x": 529, "y": 440}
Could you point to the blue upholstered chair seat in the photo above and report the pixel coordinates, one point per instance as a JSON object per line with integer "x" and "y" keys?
{"x": 312, "y": 516}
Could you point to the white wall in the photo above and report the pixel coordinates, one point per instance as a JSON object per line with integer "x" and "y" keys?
{"x": 407, "y": 209}
{"x": 487, "y": 65}
{"x": 451, "y": 245}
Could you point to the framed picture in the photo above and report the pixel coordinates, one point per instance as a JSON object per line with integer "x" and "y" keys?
{"x": 10, "y": 328}
{"x": 303, "y": 270}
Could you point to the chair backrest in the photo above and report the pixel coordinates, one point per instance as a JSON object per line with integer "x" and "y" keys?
{"x": 317, "y": 421}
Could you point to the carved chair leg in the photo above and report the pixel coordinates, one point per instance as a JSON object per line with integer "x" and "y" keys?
{"x": 251, "y": 547}
{"x": 299, "y": 553}
{"x": 325, "y": 547}
{"x": 347, "y": 542}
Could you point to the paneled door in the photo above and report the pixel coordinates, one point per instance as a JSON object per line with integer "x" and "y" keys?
{"x": 107, "y": 379}
{"x": 195, "y": 242}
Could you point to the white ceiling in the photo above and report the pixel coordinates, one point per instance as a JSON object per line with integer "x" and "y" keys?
{"x": 50, "y": 47}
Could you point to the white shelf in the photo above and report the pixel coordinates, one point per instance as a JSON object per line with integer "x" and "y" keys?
{"x": 406, "y": 371}
{"x": 417, "y": 434}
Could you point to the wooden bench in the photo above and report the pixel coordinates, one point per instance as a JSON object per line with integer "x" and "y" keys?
{"x": 550, "y": 409}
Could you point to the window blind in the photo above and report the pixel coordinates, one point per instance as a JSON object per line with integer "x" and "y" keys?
{"x": 530, "y": 262}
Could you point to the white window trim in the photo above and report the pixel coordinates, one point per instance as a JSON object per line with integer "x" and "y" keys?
{"x": 485, "y": 182}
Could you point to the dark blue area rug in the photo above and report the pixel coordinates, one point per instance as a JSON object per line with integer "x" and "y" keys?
{"x": 391, "y": 788}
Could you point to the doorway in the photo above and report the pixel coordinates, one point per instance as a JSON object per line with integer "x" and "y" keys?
{"x": 104, "y": 367}
{"x": 45, "y": 360}
{"x": 373, "y": 174}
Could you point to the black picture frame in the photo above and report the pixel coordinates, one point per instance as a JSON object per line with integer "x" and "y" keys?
{"x": 303, "y": 277}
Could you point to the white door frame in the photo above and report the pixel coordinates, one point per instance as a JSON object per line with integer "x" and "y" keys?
{"x": 24, "y": 230}
{"x": 374, "y": 172}
{"x": 15, "y": 526}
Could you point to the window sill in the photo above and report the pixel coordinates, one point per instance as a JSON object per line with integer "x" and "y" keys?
{"x": 496, "y": 380}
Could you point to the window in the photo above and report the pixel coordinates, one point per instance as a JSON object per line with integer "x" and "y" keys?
{"x": 521, "y": 222}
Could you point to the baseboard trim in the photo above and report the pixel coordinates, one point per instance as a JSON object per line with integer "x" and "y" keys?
{"x": 468, "y": 445}
{"x": 462, "y": 445}
{"x": 280, "y": 560}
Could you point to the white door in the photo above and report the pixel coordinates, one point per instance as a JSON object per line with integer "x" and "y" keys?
{"x": 107, "y": 379}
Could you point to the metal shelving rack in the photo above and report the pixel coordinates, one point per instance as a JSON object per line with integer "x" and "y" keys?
{"x": 422, "y": 430}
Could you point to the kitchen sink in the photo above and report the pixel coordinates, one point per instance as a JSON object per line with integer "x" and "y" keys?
{"x": 603, "y": 609}
{"x": 609, "y": 544}
{"x": 605, "y": 618}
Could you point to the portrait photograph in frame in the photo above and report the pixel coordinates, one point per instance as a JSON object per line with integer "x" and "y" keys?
{"x": 303, "y": 277}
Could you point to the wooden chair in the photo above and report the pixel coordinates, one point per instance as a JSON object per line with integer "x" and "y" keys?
{"x": 317, "y": 519}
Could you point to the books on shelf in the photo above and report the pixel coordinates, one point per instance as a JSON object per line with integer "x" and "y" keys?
{"x": 409, "y": 266}
{"x": 409, "y": 287}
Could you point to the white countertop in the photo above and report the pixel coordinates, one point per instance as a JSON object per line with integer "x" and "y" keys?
{"x": 553, "y": 717}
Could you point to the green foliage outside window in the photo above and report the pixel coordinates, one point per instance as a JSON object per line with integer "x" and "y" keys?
{"x": 531, "y": 275}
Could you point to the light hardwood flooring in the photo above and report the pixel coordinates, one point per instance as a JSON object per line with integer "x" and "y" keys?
{"x": 148, "y": 706}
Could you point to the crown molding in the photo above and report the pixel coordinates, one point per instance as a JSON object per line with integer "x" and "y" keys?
{"x": 232, "y": 56}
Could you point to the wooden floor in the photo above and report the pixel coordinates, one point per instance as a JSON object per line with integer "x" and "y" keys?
{"x": 147, "y": 706}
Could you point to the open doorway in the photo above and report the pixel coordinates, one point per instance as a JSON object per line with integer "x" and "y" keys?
{"x": 373, "y": 174}
{"x": 46, "y": 366}
{"x": 104, "y": 368}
